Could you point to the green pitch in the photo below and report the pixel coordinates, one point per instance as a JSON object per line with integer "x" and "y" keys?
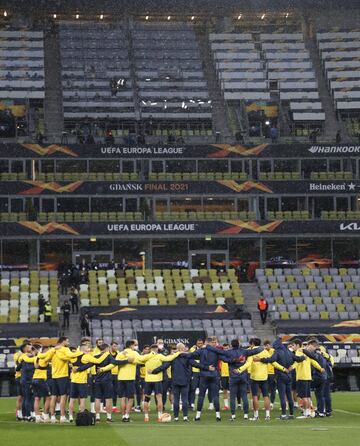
{"x": 343, "y": 428}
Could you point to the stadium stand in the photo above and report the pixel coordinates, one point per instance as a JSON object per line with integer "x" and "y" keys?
{"x": 250, "y": 67}
{"x": 22, "y": 63}
{"x": 311, "y": 293}
{"x": 120, "y": 330}
{"x": 131, "y": 287}
{"x": 20, "y": 291}
{"x": 92, "y": 55}
{"x": 340, "y": 50}
{"x": 169, "y": 72}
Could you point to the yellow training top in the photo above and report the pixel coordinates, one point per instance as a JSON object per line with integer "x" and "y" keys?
{"x": 224, "y": 369}
{"x": 42, "y": 360}
{"x": 153, "y": 363}
{"x": 60, "y": 362}
{"x": 16, "y": 361}
{"x": 303, "y": 369}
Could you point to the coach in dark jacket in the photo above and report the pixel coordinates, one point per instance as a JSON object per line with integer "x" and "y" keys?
{"x": 209, "y": 375}
{"x": 180, "y": 378}
{"x": 236, "y": 357}
{"x": 285, "y": 357}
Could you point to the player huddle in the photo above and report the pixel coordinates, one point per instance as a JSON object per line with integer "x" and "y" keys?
{"x": 60, "y": 377}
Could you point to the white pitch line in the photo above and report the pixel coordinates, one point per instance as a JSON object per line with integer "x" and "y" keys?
{"x": 347, "y": 412}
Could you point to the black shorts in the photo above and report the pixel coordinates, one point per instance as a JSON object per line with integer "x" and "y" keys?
{"x": 303, "y": 389}
{"x": 103, "y": 390}
{"x": 19, "y": 391}
{"x": 141, "y": 382}
{"x": 262, "y": 385}
{"x": 59, "y": 386}
{"x": 40, "y": 388}
{"x": 126, "y": 389}
{"x": 78, "y": 390}
{"x": 153, "y": 387}
{"x": 225, "y": 382}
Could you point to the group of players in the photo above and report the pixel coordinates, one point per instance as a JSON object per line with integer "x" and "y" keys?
{"x": 57, "y": 378}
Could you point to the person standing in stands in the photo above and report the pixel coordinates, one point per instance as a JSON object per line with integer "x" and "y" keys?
{"x": 41, "y": 304}
{"x": 263, "y": 308}
{"x": 85, "y": 326}
{"x": 47, "y": 312}
{"x": 74, "y": 299}
{"x": 66, "y": 314}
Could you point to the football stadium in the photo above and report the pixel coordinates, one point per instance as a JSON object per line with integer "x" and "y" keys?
{"x": 179, "y": 222}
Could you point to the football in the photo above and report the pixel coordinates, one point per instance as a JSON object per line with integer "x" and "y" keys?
{"x": 165, "y": 418}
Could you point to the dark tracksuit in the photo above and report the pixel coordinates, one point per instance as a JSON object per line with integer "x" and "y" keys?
{"x": 209, "y": 380}
{"x": 236, "y": 357}
{"x": 180, "y": 377}
{"x": 319, "y": 380}
{"x": 27, "y": 371}
{"x": 286, "y": 358}
{"x": 327, "y": 387}
{"x": 103, "y": 381}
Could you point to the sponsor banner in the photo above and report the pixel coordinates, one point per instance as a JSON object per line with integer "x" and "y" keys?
{"x": 352, "y": 341}
{"x": 315, "y": 327}
{"x": 167, "y": 312}
{"x": 8, "y": 332}
{"x": 216, "y": 187}
{"x": 188, "y": 337}
{"x": 178, "y": 228}
{"x": 216, "y": 151}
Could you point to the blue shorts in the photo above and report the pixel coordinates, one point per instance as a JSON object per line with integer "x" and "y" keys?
{"x": 126, "y": 389}
{"x": 19, "y": 391}
{"x": 303, "y": 389}
{"x": 78, "y": 390}
{"x": 153, "y": 387}
{"x": 225, "y": 382}
{"x": 141, "y": 382}
{"x": 259, "y": 385}
{"x": 103, "y": 390}
{"x": 59, "y": 386}
{"x": 40, "y": 388}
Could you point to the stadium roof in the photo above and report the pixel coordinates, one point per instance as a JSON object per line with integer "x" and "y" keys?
{"x": 183, "y": 7}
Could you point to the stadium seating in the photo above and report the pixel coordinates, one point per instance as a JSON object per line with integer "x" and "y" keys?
{"x": 121, "y": 330}
{"x": 197, "y": 176}
{"x": 288, "y": 215}
{"x": 91, "y": 55}
{"x": 169, "y": 72}
{"x": 60, "y": 217}
{"x": 19, "y": 294}
{"x": 276, "y": 176}
{"x": 201, "y": 215}
{"x": 91, "y": 176}
{"x": 311, "y": 293}
{"x": 340, "y": 50}
{"x": 22, "y": 64}
{"x": 160, "y": 287}
{"x": 249, "y": 70}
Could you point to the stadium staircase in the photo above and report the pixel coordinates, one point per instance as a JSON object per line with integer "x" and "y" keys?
{"x": 251, "y": 294}
{"x": 219, "y": 111}
{"x": 132, "y": 66}
{"x": 74, "y": 330}
{"x": 53, "y": 105}
{"x": 332, "y": 124}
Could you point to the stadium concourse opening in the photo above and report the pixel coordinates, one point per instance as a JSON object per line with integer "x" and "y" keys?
{"x": 179, "y": 221}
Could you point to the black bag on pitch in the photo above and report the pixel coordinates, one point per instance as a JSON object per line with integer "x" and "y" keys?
{"x": 85, "y": 418}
